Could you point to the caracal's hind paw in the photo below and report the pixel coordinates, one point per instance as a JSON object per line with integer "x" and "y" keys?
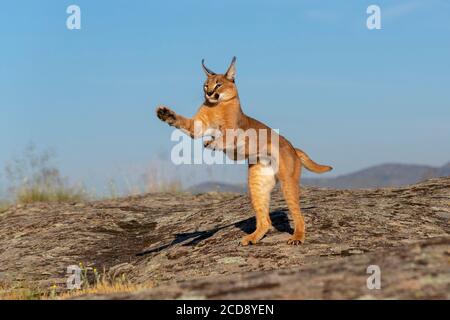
{"x": 245, "y": 241}
{"x": 296, "y": 240}
{"x": 252, "y": 238}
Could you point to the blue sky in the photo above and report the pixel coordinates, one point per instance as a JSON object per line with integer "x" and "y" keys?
{"x": 348, "y": 96}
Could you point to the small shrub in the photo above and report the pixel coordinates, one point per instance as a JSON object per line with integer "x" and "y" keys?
{"x": 4, "y": 206}
{"x": 34, "y": 178}
{"x": 156, "y": 179}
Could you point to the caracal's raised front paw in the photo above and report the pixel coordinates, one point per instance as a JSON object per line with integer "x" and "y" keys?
{"x": 166, "y": 115}
{"x": 296, "y": 240}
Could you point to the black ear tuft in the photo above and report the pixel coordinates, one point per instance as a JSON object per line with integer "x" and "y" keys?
{"x": 231, "y": 72}
{"x": 206, "y": 70}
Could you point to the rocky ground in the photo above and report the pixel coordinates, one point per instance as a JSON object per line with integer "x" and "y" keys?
{"x": 187, "y": 246}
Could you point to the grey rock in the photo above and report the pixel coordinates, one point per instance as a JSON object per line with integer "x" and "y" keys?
{"x": 188, "y": 245}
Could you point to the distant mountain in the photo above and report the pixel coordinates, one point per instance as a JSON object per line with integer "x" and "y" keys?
{"x": 213, "y": 186}
{"x": 384, "y": 175}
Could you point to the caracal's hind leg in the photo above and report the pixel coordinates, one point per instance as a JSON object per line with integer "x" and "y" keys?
{"x": 261, "y": 180}
{"x": 289, "y": 178}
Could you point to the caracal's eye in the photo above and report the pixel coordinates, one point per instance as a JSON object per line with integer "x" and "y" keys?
{"x": 218, "y": 85}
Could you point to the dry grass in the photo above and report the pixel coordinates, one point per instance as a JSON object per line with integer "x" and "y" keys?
{"x": 92, "y": 283}
{"x": 23, "y": 291}
{"x": 95, "y": 283}
{"x": 8, "y": 293}
{"x": 101, "y": 289}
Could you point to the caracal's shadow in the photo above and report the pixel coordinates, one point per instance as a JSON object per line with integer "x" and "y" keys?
{"x": 279, "y": 220}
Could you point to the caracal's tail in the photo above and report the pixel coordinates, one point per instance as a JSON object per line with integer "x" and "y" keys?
{"x": 310, "y": 164}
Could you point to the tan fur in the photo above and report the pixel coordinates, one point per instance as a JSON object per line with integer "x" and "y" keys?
{"x": 221, "y": 110}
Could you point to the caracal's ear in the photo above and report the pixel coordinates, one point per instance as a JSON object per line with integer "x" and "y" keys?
{"x": 231, "y": 72}
{"x": 207, "y": 71}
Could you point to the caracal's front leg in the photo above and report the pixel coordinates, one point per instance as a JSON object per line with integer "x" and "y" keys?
{"x": 216, "y": 143}
{"x": 227, "y": 144}
{"x": 175, "y": 120}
